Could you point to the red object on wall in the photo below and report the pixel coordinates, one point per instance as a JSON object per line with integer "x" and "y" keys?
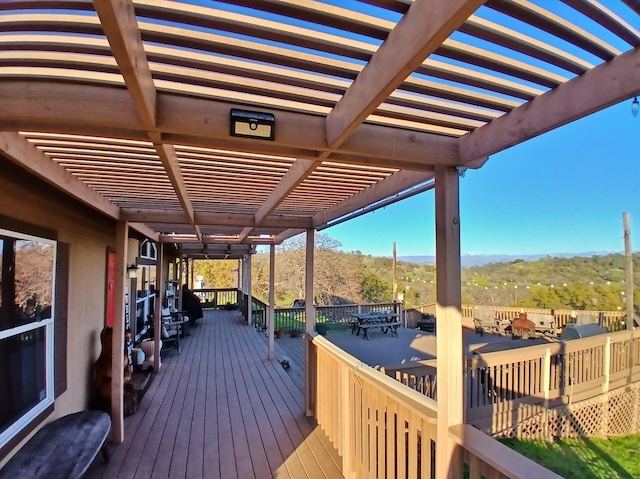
{"x": 111, "y": 286}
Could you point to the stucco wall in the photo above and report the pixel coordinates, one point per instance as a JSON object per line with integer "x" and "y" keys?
{"x": 90, "y": 234}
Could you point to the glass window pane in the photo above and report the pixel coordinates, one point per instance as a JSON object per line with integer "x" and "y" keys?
{"x": 22, "y": 375}
{"x": 26, "y": 281}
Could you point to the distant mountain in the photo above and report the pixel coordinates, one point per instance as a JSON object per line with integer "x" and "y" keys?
{"x": 470, "y": 260}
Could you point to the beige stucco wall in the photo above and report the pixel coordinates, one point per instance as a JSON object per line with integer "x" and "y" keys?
{"x": 90, "y": 234}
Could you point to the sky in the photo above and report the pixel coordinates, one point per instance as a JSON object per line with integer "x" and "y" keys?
{"x": 562, "y": 192}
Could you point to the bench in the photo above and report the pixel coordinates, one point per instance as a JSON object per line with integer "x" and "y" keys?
{"x": 62, "y": 449}
{"x": 385, "y": 326}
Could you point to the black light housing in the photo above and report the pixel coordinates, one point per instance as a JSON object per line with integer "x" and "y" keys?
{"x": 252, "y": 124}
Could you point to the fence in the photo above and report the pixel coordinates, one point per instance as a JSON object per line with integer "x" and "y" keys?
{"x": 336, "y": 317}
{"x": 218, "y": 297}
{"x": 383, "y": 429}
{"x": 567, "y": 388}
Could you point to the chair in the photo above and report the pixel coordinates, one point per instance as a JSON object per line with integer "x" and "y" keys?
{"x": 170, "y": 330}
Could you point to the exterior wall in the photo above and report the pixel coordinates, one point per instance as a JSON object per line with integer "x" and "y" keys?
{"x": 89, "y": 235}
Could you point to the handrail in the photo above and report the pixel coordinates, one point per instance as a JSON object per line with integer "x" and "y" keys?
{"x": 499, "y": 457}
{"x": 407, "y": 397}
{"x": 382, "y": 428}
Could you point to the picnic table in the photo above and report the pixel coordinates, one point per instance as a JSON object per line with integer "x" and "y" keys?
{"x": 385, "y": 320}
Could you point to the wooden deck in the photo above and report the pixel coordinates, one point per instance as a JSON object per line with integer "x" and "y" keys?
{"x": 221, "y": 409}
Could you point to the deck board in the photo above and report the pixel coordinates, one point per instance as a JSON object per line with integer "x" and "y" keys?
{"x": 222, "y": 409}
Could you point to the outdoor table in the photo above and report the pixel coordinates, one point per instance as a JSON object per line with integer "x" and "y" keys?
{"x": 385, "y": 320}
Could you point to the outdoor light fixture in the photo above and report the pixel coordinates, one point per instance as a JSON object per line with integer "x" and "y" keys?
{"x": 252, "y": 124}
{"x": 132, "y": 271}
{"x": 635, "y": 106}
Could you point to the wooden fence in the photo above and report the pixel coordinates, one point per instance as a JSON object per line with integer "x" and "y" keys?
{"x": 336, "y": 317}
{"x": 612, "y": 320}
{"x": 565, "y": 388}
{"x": 383, "y": 429}
{"x": 218, "y": 297}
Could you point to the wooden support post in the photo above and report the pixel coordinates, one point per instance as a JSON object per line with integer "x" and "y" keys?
{"x": 395, "y": 279}
{"x": 309, "y": 315}
{"x": 117, "y": 346}
{"x": 247, "y": 272}
{"x": 272, "y": 295}
{"x": 628, "y": 270}
{"x": 546, "y": 384}
{"x": 449, "y": 321}
{"x": 157, "y": 307}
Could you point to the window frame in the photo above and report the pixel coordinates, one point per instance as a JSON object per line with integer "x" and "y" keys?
{"x": 48, "y": 323}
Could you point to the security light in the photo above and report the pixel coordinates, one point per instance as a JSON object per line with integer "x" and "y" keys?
{"x": 252, "y": 124}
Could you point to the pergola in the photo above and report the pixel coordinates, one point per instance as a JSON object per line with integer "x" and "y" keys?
{"x": 125, "y": 106}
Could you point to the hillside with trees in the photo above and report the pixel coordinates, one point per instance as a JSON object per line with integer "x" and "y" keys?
{"x": 570, "y": 283}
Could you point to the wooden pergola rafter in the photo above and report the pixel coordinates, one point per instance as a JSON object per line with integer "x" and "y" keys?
{"x": 121, "y": 98}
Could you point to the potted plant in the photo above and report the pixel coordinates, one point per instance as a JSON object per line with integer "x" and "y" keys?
{"x": 280, "y": 333}
{"x": 295, "y": 333}
{"x": 322, "y": 328}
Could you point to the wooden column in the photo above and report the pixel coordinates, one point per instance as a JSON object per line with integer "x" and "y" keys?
{"x": 628, "y": 270}
{"x": 272, "y": 295}
{"x": 248, "y": 290}
{"x": 161, "y": 271}
{"x": 449, "y": 321}
{"x": 309, "y": 314}
{"x": 117, "y": 346}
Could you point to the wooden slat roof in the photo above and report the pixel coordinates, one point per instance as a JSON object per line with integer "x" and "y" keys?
{"x": 125, "y": 105}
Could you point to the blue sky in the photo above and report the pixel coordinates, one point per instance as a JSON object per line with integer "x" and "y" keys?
{"x": 562, "y": 192}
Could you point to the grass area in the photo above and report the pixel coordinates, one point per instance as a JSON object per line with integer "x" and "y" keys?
{"x": 616, "y": 457}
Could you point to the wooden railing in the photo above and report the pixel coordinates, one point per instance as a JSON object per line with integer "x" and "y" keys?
{"x": 383, "y": 429}
{"x": 612, "y": 320}
{"x": 219, "y": 297}
{"x": 336, "y": 317}
{"x": 512, "y": 392}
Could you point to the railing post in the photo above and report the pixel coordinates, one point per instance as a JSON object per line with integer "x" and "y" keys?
{"x": 546, "y": 384}
{"x": 345, "y": 423}
{"x": 607, "y": 365}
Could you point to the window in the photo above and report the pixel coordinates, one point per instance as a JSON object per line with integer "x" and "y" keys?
{"x": 27, "y": 285}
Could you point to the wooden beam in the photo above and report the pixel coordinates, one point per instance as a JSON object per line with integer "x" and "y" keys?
{"x": 214, "y": 219}
{"x": 290, "y": 233}
{"x": 419, "y": 33}
{"x": 108, "y": 112}
{"x": 449, "y": 320}
{"x": 19, "y": 150}
{"x": 300, "y": 170}
{"x": 614, "y": 81}
{"x": 119, "y": 22}
{"x": 167, "y": 154}
{"x": 144, "y": 230}
{"x": 398, "y": 181}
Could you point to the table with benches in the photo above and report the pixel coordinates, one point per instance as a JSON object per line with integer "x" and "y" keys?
{"x": 385, "y": 320}
{"x": 62, "y": 449}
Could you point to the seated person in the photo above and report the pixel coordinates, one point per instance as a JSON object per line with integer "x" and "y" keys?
{"x": 191, "y": 304}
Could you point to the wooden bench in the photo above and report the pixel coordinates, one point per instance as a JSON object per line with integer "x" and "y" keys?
{"x": 384, "y": 326}
{"x": 62, "y": 449}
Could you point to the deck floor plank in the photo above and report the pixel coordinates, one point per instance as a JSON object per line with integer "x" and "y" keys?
{"x": 221, "y": 409}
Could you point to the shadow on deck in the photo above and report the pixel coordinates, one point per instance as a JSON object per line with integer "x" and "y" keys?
{"x": 221, "y": 409}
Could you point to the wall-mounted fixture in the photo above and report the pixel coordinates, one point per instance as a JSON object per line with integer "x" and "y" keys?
{"x": 252, "y": 124}
{"x": 132, "y": 271}
{"x": 635, "y": 106}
